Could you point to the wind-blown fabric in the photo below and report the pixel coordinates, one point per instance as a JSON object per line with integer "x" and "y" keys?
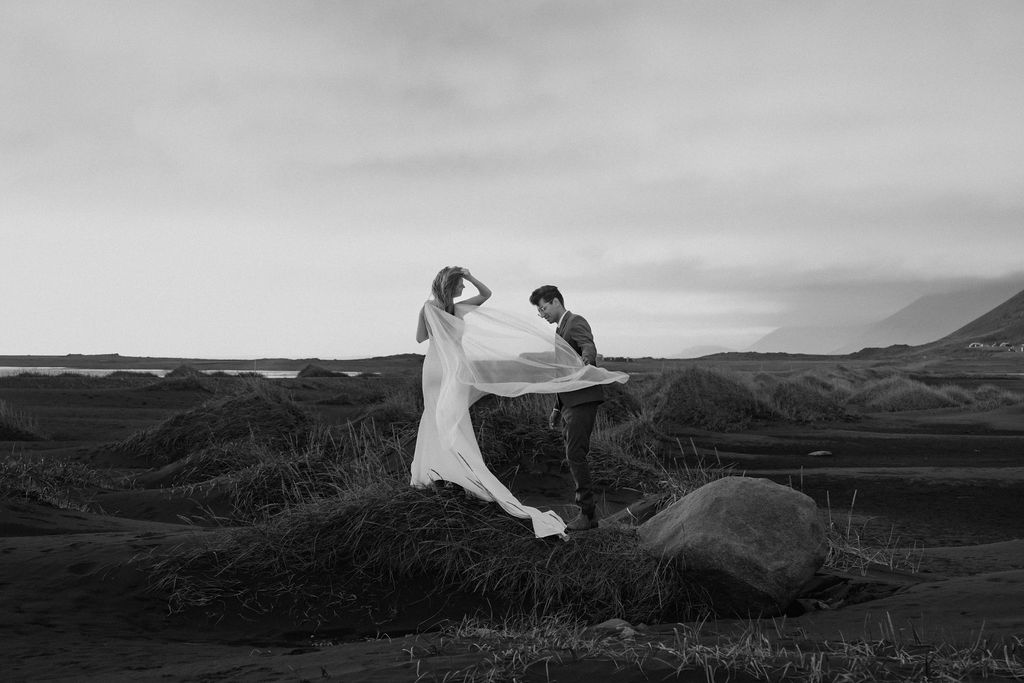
{"x": 481, "y": 351}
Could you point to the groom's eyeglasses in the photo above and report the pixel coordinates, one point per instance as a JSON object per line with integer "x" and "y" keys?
{"x": 542, "y": 309}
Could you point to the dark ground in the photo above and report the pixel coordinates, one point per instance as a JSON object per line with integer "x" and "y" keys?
{"x": 947, "y": 482}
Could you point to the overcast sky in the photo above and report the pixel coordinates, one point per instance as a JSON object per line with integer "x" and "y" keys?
{"x": 242, "y": 179}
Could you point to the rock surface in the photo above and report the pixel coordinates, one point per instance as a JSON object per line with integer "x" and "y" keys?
{"x": 749, "y": 544}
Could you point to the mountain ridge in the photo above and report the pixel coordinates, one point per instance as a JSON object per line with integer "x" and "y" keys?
{"x": 925, "y": 320}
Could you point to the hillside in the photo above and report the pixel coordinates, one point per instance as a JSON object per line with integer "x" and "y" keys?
{"x": 804, "y": 339}
{"x": 923, "y": 321}
{"x": 1004, "y": 323}
{"x": 930, "y": 317}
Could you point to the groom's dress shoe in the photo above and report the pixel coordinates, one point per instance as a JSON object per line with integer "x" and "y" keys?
{"x": 582, "y": 523}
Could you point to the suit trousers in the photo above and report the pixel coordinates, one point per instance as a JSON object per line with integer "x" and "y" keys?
{"x": 577, "y": 424}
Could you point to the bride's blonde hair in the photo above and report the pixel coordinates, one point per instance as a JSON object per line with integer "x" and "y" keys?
{"x": 445, "y": 283}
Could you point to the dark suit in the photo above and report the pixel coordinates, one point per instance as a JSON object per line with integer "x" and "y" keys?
{"x": 579, "y": 410}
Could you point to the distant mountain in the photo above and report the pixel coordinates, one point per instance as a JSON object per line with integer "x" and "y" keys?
{"x": 929, "y": 318}
{"x": 1004, "y": 323}
{"x": 805, "y": 339}
{"x": 923, "y": 321}
{"x": 698, "y": 351}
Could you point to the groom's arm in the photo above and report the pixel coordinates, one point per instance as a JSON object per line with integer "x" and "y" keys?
{"x": 579, "y": 332}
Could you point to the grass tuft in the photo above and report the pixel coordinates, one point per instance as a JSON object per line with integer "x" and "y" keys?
{"x": 17, "y": 425}
{"x": 60, "y": 483}
{"x": 536, "y": 649}
{"x": 853, "y": 545}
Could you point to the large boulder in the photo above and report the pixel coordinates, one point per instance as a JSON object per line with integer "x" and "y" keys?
{"x": 749, "y": 544}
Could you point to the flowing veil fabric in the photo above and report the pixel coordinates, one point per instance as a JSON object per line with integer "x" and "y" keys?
{"x": 481, "y": 351}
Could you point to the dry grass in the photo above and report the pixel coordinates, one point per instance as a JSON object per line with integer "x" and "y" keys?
{"x": 333, "y": 528}
{"x": 724, "y": 401}
{"x": 17, "y": 425}
{"x": 756, "y": 651}
{"x": 853, "y": 545}
{"x": 804, "y": 398}
{"x": 348, "y": 550}
{"x": 897, "y": 393}
{"x": 713, "y": 400}
{"x": 261, "y": 412}
{"x": 62, "y": 484}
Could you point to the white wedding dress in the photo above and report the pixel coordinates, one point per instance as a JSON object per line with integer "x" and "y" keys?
{"x": 481, "y": 351}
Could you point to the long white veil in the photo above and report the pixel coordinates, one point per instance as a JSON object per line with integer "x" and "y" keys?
{"x": 479, "y": 351}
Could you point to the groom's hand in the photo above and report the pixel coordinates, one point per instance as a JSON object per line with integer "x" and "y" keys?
{"x": 553, "y": 418}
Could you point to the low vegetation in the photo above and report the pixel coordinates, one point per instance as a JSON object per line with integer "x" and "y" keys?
{"x": 753, "y": 651}
{"x": 60, "y": 483}
{"x": 322, "y": 522}
{"x": 16, "y": 425}
{"x": 718, "y": 400}
{"x": 261, "y": 412}
{"x": 344, "y": 552}
{"x": 858, "y": 545}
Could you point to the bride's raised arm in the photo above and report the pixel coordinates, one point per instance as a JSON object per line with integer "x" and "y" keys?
{"x": 484, "y": 292}
{"x": 421, "y": 328}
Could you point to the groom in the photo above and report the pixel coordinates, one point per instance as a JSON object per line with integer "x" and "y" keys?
{"x": 577, "y": 409}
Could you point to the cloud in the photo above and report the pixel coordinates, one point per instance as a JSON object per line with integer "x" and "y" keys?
{"x": 705, "y": 170}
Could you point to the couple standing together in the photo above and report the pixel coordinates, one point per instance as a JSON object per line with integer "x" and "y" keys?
{"x": 476, "y": 351}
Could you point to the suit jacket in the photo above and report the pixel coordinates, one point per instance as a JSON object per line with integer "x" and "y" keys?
{"x": 576, "y": 330}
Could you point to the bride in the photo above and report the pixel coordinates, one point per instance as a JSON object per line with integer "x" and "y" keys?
{"x": 475, "y": 351}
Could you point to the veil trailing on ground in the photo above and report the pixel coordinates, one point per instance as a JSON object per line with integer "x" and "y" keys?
{"x": 481, "y": 351}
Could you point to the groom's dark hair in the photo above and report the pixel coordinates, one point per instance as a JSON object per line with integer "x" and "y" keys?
{"x": 546, "y": 293}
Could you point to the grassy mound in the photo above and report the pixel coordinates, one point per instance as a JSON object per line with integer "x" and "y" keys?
{"x": 620, "y": 405}
{"x": 183, "y": 371}
{"x": 260, "y": 412}
{"x": 898, "y": 393}
{"x": 513, "y": 433}
{"x": 259, "y": 480}
{"x": 627, "y": 455}
{"x": 347, "y": 552}
{"x": 313, "y": 370}
{"x": 714, "y": 400}
{"x": 215, "y": 460}
{"x": 802, "y": 399}
{"x": 181, "y": 384}
{"x": 989, "y": 396}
